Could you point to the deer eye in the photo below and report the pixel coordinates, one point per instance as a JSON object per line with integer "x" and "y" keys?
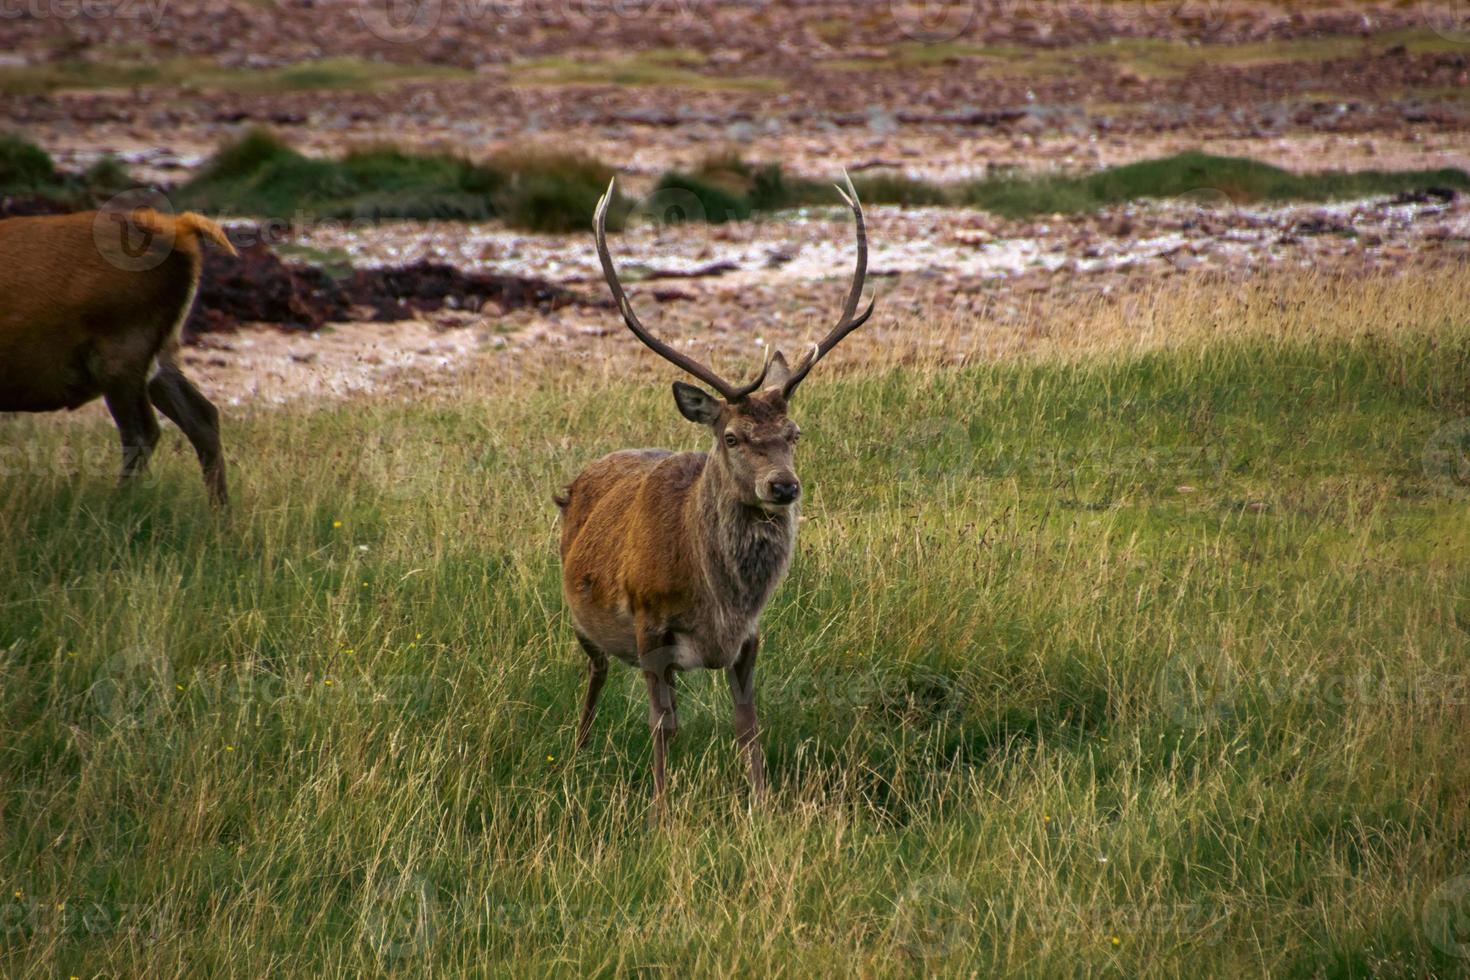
{"x": 730, "y": 439}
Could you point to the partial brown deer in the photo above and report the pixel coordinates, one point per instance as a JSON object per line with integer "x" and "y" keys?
{"x": 91, "y": 305}
{"x": 669, "y": 558}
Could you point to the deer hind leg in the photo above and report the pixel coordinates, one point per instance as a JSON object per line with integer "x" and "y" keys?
{"x": 127, "y": 400}
{"x": 741, "y": 675}
{"x": 198, "y": 419}
{"x": 596, "y": 677}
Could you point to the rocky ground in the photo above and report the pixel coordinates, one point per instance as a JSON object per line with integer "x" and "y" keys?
{"x": 725, "y": 291}
{"x": 935, "y": 92}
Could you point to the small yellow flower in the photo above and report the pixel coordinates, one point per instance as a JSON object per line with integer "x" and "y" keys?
{"x": 551, "y": 758}
{"x": 19, "y": 893}
{"x": 328, "y": 682}
{"x": 1115, "y": 940}
{"x": 229, "y": 748}
{"x": 364, "y": 585}
{"x": 179, "y": 686}
{"x": 336, "y": 523}
{"x": 1046, "y": 818}
{"x": 418, "y": 636}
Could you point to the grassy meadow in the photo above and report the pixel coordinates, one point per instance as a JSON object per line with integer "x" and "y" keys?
{"x": 1144, "y": 659}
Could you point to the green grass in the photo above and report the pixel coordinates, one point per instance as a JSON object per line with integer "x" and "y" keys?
{"x": 1029, "y": 707}
{"x": 1240, "y": 180}
{"x": 197, "y": 74}
{"x": 26, "y": 170}
{"x": 664, "y": 68}
{"x": 260, "y": 175}
{"x": 729, "y": 188}
{"x": 1154, "y": 58}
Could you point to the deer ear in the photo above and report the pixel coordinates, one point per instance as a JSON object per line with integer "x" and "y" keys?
{"x": 696, "y": 405}
{"x": 778, "y": 373}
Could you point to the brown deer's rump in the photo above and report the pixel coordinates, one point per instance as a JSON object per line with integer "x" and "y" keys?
{"x": 74, "y": 316}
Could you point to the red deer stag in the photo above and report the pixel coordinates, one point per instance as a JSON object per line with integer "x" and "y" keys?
{"x": 669, "y": 558}
{"x": 92, "y": 305}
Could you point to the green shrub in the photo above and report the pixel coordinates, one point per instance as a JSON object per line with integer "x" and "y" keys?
{"x": 24, "y": 166}
{"x": 28, "y": 170}
{"x": 718, "y": 203}
{"x": 261, "y": 175}
{"x": 1240, "y": 180}
{"x": 900, "y": 190}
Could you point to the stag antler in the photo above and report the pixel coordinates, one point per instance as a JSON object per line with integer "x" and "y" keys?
{"x": 730, "y": 392}
{"x": 847, "y": 323}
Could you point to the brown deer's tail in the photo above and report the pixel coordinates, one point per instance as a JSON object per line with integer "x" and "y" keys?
{"x": 189, "y": 226}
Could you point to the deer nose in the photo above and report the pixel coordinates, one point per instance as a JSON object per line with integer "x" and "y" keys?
{"x": 785, "y": 491}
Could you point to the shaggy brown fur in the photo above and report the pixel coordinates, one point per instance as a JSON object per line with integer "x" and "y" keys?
{"x": 92, "y": 305}
{"x": 669, "y": 558}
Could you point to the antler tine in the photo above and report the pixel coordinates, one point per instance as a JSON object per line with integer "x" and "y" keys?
{"x": 760, "y": 379}
{"x": 847, "y": 323}
{"x": 689, "y": 364}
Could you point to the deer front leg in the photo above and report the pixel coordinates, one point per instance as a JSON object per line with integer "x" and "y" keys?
{"x": 655, "y": 656}
{"x": 741, "y": 675}
{"x": 596, "y": 677}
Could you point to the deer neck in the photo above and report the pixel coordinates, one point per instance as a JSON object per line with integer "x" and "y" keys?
{"x": 744, "y": 549}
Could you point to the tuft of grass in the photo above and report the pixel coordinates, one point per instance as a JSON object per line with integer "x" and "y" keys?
{"x": 1241, "y": 180}
{"x": 24, "y": 166}
{"x": 892, "y": 188}
{"x": 1153, "y": 58}
{"x": 198, "y": 74}
{"x": 26, "y": 170}
{"x": 730, "y": 188}
{"x": 1145, "y": 664}
{"x": 664, "y": 68}
{"x": 554, "y": 192}
{"x": 261, "y": 175}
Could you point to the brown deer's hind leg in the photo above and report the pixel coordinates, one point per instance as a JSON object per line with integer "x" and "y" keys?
{"x": 127, "y": 400}
{"x": 741, "y": 675}
{"x": 198, "y": 419}
{"x": 596, "y": 677}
